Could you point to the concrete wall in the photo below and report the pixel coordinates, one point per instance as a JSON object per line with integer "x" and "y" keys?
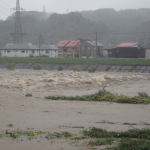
{"x": 147, "y": 53}
{"x": 28, "y": 53}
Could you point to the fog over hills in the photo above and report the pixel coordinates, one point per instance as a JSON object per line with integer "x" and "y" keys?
{"x": 109, "y": 24}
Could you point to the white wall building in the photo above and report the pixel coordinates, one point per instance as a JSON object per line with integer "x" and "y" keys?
{"x": 29, "y": 50}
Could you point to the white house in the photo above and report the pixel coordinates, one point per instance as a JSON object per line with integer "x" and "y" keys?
{"x": 29, "y": 50}
{"x": 147, "y": 51}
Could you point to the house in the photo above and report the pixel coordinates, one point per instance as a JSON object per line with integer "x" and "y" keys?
{"x": 88, "y": 49}
{"x": 29, "y": 50}
{"x": 147, "y": 51}
{"x": 107, "y": 49}
{"x": 127, "y": 50}
{"x": 69, "y": 48}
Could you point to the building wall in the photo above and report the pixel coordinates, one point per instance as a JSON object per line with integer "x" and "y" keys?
{"x": 147, "y": 54}
{"x": 28, "y": 53}
{"x": 87, "y": 50}
{"x": 69, "y": 51}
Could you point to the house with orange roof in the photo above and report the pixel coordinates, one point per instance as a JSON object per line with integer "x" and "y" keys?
{"x": 69, "y": 48}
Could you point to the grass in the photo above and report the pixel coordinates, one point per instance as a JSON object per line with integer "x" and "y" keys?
{"x": 142, "y": 98}
{"x": 17, "y": 134}
{"x": 10, "y": 66}
{"x": 98, "y": 142}
{"x": 29, "y": 94}
{"x": 135, "y": 139}
{"x": 134, "y": 133}
{"x": 58, "y": 135}
{"x": 104, "y": 61}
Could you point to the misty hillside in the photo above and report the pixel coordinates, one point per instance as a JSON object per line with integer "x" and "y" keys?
{"x": 57, "y": 27}
{"x": 37, "y": 14}
{"x": 123, "y": 20}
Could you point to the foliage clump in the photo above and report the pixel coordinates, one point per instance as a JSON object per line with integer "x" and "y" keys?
{"x": 29, "y": 94}
{"x": 10, "y": 66}
{"x": 142, "y": 98}
{"x": 60, "y": 68}
{"x": 92, "y": 69}
{"x": 37, "y": 68}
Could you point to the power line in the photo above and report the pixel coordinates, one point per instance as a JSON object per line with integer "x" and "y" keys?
{"x": 6, "y": 4}
{"x": 4, "y": 8}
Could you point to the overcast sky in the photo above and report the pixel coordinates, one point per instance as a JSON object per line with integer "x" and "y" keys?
{"x": 61, "y": 6}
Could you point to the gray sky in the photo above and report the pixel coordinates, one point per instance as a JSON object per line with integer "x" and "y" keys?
{"x": 61, "y": 6}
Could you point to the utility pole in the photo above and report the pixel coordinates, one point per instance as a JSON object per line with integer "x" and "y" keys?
{"x": 44, "y": 12}
{"x": 18, "y": 34}
{"x": 96, "y": 45}
{"x": 40, "y": 43}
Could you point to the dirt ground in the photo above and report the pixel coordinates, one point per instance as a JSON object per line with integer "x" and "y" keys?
{"x": 40, "y": 114}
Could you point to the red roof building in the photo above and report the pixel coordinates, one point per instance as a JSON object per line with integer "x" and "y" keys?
{"x": 69, "y": 48}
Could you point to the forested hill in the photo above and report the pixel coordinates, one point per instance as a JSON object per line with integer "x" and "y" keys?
{"x": 57, "y": 27}
{"x": 110, "y": 25}
{"x": 125, "y": 20}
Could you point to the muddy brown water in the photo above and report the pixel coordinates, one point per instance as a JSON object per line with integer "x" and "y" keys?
{"x": 57, "y": 116}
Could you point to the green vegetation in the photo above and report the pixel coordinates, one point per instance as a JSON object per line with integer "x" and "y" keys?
{"x": 60, "y": 69}
{"x": 77, "y": 68}
{"x": 37, "y": 68}
{"x": 94, "y": 61}
{"x": 17, "y": 134}
{"x": 106, "y": 141}
{"x": 10, "y": 66}
{"x": 135, "y": 139}
{"x": 51, "y": 68}
{"x": 92, "y": 69}
{"x": 142, "y": 98}
{"x": 59, "y": 135}
{"x": 29, "y": 94}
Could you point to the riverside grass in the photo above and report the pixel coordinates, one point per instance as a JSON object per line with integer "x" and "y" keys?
{"x": 94, "y": 61}
{"x": 133, "y": 139}
{"x": 142, "y": 98}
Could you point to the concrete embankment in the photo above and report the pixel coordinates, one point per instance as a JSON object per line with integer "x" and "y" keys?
{"x": 76, "y": 67}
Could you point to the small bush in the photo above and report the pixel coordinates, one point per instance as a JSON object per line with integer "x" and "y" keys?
{"x": 77, "y": 68}
{"x": 92, "y": 69}
{"x": 29, "y": 94}
{"x": 37, "y": 68}
{"x": 10, "y": 66}
{"x": 51, "y": 68}
{"x": 60, "y": 69}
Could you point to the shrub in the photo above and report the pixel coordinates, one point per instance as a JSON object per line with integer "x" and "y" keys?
{"x": 29, "y": 94}
{"x": 92, "y": 69}
{"x": 37, "y": 68}
{"x": 77, "y": 68}
{"x": 51, "y": 68}
{"x": 60, "y": 69}
{"x": 10, "y": 66}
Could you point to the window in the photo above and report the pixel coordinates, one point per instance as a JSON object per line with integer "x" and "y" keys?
{"x": 47, "y": 51}
{"x": 8, "y": 51}
{"x": 14, "y": 50}
{"x": 4, "y": 51}
{"x": 69, "y": 49}
{"x": 26, "y": 51}
{"x": 59, "y": 48}
{"x": 110, "y": 53}
{"x": 33, "y": 51}
{"x": 22, "y": 51}
{"x": 89, "y": 48}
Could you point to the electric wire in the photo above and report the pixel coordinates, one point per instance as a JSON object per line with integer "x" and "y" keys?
{"x": 6, "y": 4}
